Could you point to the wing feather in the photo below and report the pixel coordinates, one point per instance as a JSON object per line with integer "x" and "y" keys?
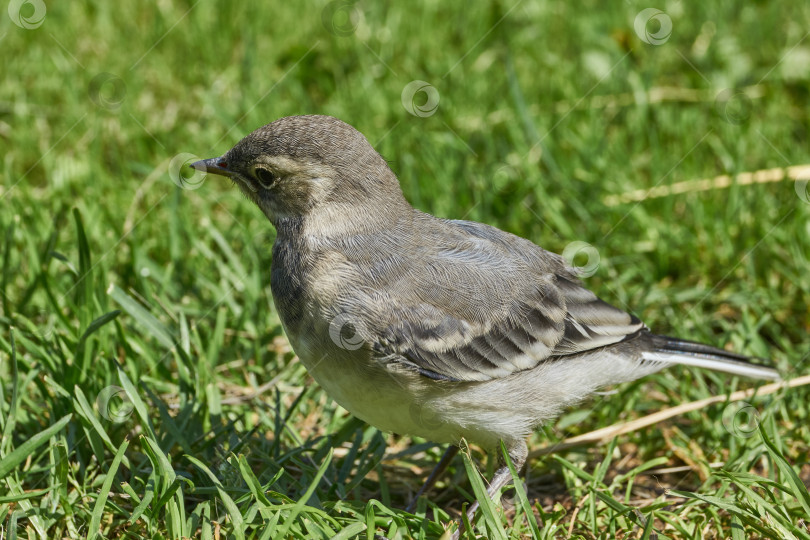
{"x": 541, "y": 315}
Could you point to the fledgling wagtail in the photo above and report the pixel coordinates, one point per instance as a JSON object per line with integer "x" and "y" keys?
{"x": 438, "y": 328}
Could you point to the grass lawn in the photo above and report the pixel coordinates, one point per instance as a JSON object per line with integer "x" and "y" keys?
{"x": 146, "y": 387}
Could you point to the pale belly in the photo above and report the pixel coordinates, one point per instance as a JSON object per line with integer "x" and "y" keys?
{"x": 392, "y": 401}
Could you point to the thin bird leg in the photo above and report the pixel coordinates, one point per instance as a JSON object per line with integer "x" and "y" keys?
{"x": 438, "y": 470}
{"x": 518, "y": 451}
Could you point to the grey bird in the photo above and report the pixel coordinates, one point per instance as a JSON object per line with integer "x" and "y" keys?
{"x": 442, "y": 329}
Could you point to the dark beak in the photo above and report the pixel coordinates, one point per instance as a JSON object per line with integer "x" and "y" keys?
{"x": 215, "y": 165}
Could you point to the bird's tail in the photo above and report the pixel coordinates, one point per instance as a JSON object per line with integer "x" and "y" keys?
{"x": 688, "y": 353}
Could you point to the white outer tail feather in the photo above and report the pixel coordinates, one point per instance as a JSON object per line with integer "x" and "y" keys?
{"x": 714, "y": 363}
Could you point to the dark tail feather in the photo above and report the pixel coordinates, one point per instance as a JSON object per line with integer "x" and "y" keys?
{"x": 689, "y": 353}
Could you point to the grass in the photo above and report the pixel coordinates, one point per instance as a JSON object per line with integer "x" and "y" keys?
{"x": 146, "y": 387}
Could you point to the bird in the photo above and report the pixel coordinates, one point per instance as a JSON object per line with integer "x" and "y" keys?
{"x": 444, "y": 329}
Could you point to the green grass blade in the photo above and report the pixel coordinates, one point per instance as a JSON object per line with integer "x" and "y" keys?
{"x": 142, "y": 507}
{"x": 85, "y": 411}
{"x": 351, "y": 531}
{"x": 299, "y": 506}
{"x": 648, "y": 527}
{"x": 724, "y": 504}
{"x": 10, "y": 419}
{"x": 84, "y": 282}
{"x": 104, "y": 492}
{"x": 486, "y": 505}
{"x": 525, "y": 506}
{"x": 230, "y": 506}
{"x": 92, "y": 328}
{"x": 155, "y": 328}
{"x": 162, "y": 466}
{"x": 5, "y": 270}
{"x": 137, "y": 403}
{"x": 789, "y": 475}
{"x": 23, "y": 496}
{"x": 574, "y": 469}
{"x": 21, "y": 453}
{"x": 60, "y": 466}
{"x": 253, "y": 483}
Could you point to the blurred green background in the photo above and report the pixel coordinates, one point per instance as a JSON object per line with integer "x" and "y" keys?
{"x": 134, "y": 299}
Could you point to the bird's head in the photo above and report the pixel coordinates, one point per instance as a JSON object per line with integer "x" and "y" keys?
{"x": 299, "y": 164}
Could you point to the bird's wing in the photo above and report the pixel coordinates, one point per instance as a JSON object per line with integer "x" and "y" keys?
{"x": 494, "y": 304}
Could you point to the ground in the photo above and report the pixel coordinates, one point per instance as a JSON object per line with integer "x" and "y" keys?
{"x": 146, "y": 387}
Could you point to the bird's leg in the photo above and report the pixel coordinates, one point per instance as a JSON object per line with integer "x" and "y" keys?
{"x": 438, "y": 470}
{"x": 518, "y": 451}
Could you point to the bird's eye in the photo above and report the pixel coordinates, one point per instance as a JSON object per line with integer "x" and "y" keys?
{"x": 266, "y": 178}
